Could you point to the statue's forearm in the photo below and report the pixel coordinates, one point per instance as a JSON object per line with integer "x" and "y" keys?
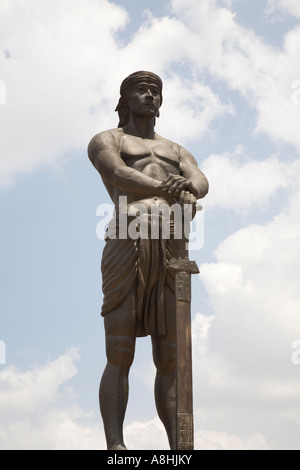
{"x": 200, "y": 183}
{"x": 134, "y": 182}
{"x": 196, "y": 184}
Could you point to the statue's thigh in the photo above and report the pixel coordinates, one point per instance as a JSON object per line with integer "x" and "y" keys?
{"x": 122, "y": 320}
{"x": 120, "y": 328}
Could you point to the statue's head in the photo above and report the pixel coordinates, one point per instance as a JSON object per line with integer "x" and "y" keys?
{"x": 127, "y": 84}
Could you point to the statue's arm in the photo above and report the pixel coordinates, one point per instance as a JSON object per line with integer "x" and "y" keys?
{"x": 105, "y": 156}
{"x": 189, "y": 169}
{"x": 190, "y": 183}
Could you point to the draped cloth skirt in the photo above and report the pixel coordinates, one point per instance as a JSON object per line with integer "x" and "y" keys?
{"x": 139, "y": 264}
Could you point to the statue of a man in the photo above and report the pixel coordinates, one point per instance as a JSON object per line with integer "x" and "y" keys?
{"x": 139, "y": 300}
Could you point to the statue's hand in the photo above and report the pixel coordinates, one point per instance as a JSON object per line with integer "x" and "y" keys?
{"x": 188, "y": 198}
{"x": 175, "y": 184}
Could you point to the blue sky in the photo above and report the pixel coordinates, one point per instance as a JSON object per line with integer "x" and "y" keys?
{"x": 231, "y": 97}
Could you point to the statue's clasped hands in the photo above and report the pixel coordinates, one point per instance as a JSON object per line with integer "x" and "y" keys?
{"x": 180, "y": 188}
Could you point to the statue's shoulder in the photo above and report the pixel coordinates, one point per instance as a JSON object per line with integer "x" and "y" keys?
{"x": 109, "y": 138}
{"x": 175, "y": 147}
{"x": 104, "y": 140}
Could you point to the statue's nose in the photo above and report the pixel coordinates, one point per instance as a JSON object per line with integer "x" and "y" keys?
{"x": 149, "y": 93}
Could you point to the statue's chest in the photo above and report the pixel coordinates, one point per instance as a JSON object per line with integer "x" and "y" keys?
{"x": 139, "y": 153}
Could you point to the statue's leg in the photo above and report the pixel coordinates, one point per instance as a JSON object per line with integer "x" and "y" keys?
{"x": 120, "y": 329}
{"x": 164, "y": 355}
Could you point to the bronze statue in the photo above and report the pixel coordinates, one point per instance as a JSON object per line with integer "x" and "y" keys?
{"x": 138, "y": 279}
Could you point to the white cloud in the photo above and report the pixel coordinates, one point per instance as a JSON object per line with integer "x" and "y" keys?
{"x": 276, "y": 7}
{"x": 233, "y": 400}
{"x": 148, "y": 435}
{"x": 37, "y": 409}
{"x": 57, "y": 70}
{"x": 265, "y": 260}
{"x": 245, "y": 380}
{"x": 238, "y": 182}
{"x": 152, "y": 436}
{"x": 191, "y": 110}
{"x": 63, "y": 68}
{"x": 25, "y": 391}
{"x": 210, "y": 440}
{"x": 62, "y": 63}
{"x": 263, "y": 74}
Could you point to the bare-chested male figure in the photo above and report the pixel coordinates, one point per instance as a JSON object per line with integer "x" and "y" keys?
{"x": 139, "y": 298}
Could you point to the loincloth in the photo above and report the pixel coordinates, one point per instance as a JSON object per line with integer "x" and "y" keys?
{"x": 139, "y": 265}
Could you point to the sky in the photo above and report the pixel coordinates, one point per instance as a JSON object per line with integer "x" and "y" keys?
{"x": 231, "y": 75}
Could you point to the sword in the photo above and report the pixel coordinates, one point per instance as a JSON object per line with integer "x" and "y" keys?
{"x": 183, "y": 268}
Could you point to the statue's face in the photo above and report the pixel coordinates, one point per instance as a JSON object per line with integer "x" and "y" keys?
{"x": 144, "y": 99}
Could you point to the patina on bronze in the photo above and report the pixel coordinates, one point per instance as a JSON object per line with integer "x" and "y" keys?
{"x": 146, "y": 281}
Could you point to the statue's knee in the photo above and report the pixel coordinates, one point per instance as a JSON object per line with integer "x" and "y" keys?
{"x": 120, "y": 350}
{"x": 165, "y": 358}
